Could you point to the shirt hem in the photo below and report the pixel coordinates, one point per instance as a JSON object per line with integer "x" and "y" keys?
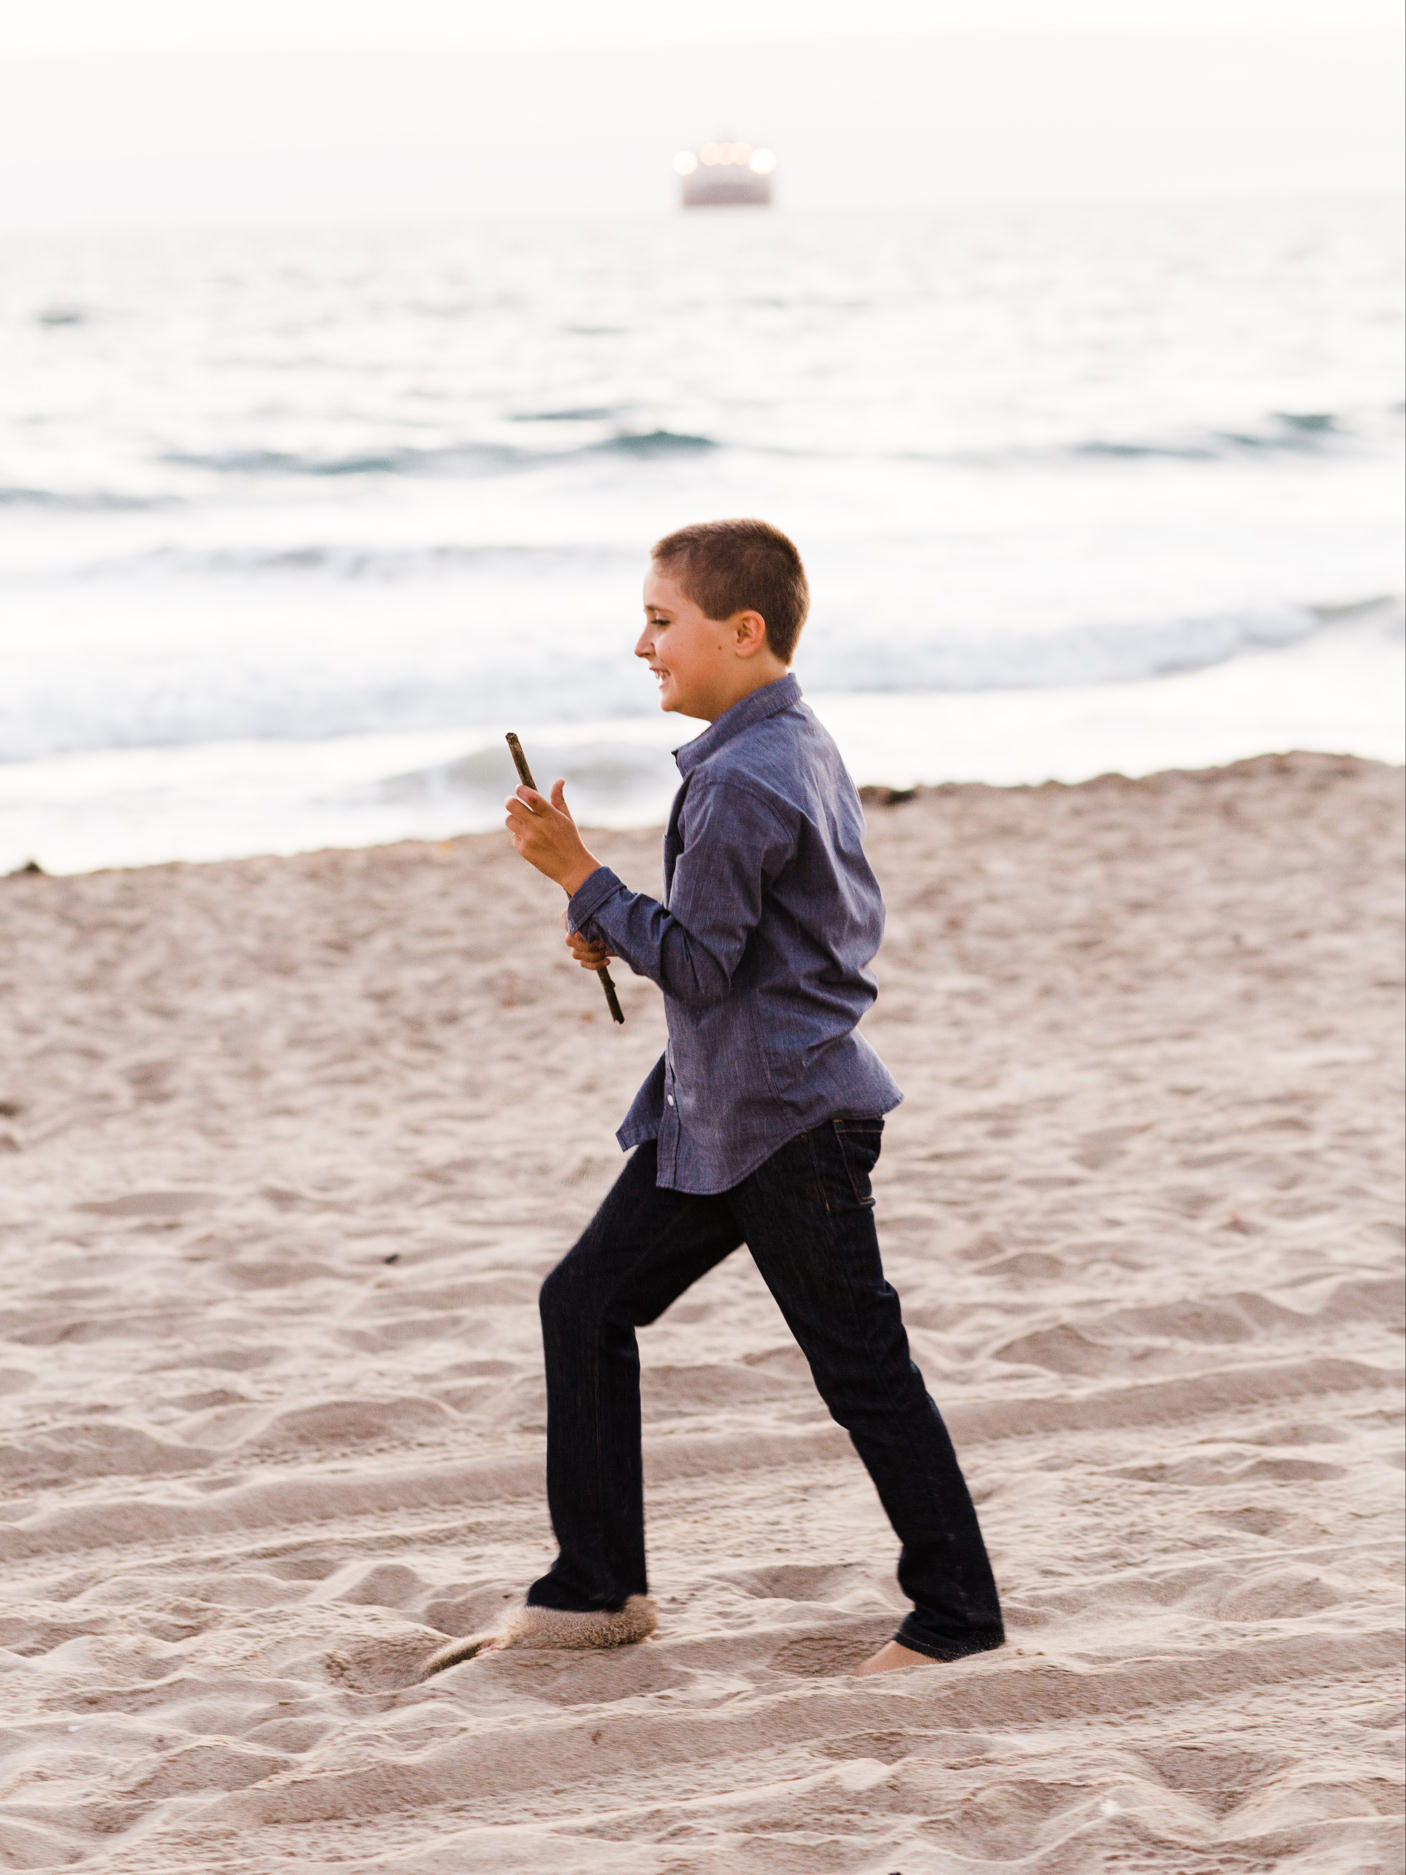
{"x": 711, "y": 1190}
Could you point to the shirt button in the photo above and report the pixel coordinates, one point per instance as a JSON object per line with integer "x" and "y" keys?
{"x": 670, "y": 1099}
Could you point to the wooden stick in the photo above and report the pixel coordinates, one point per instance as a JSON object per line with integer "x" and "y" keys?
{"x": 525, "y": 777}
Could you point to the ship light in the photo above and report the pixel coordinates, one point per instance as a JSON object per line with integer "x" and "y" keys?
{"x": 762, "y": 161}
{"x": 685, "y": 162}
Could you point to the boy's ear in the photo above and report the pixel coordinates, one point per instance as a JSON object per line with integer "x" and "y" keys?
{"x": 750, "y": 633}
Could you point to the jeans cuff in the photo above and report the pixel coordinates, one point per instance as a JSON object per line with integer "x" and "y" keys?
{"x": 549, "y": 1592}
{"x": 948, "y": 1647}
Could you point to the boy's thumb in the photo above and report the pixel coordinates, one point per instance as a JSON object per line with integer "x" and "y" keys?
{"x": 559, "y": 797}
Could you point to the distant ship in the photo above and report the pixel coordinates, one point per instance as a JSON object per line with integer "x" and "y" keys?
{"x": 725, "y": 175}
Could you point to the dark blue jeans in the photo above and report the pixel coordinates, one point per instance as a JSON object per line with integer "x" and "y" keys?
{"x": 807, "y": 1217}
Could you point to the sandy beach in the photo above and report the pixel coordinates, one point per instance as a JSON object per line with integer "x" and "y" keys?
{"x": 286, "y": 1147}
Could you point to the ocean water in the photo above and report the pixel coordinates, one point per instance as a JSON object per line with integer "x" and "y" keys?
{"x": 294, "y": 525}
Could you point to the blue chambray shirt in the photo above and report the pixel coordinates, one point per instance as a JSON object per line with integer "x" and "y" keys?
{"x": 770, "y": 918}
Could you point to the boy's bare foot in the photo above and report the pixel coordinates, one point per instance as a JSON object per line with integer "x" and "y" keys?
{"x": 892, "y": 1654}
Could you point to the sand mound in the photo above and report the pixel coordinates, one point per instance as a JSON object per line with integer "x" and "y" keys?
{"x": 292, "y": 1144}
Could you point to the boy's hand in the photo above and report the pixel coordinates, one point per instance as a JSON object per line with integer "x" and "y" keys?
{"x": 589, "y": 956}
{"x": 545, "y": 834}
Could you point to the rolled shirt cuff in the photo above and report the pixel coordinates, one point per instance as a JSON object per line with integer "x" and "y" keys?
{"x": 588, "y": 897}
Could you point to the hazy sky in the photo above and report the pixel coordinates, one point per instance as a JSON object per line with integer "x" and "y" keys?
{"x": 173, "y": 112}
{"x": 81, "y": 26}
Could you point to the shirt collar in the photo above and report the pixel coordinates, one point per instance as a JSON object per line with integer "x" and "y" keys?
{"x": 755, "y": 707}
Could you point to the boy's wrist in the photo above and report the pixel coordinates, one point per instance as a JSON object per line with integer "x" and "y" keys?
{"x": 572, "y": 881}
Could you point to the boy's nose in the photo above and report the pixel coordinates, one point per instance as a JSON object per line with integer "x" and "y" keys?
{"x": 644, "y": 644}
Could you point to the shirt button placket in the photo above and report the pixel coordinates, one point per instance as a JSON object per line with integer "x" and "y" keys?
{"x": 671, "y": 1119}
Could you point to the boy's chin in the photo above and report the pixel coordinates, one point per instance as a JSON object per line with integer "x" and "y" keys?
{"x": 676, "y": 702}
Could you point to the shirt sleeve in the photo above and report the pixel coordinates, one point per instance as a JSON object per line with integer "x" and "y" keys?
{"x": 735, "y": 844}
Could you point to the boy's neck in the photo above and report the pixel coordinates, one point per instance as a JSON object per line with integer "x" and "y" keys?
{"x": 771, "y": 673}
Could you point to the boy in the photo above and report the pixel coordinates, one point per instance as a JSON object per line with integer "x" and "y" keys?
{"x": 761, "y": 1123}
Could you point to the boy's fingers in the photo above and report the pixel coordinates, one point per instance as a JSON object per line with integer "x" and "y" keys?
{"x": 592, "y": 956}
{"x": 529, "y": 812}
{"x": 538, "y": 803}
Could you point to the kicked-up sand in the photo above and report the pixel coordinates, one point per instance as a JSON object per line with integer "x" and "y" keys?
{"x": 286, "y": 1147}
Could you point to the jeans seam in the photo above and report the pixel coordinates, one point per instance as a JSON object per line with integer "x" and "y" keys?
{"x": 864, "y": 1322}
{"x": 861, "y": 1198}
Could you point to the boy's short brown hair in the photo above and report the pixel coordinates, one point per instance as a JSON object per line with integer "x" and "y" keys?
{"x": 741, "y": 566}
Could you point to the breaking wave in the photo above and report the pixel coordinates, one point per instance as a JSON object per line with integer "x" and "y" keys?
{"x": 334, "y": 560}
{"x": 470, "y": 458}
{"x": 1282, "y": 431}
{"x": 80, "y": 501}
{"x": 1274, "y": 435}
{"x": 190, "y": 701}
{"x": 1278, "y": 432}
{"x": 1103, "y": 653}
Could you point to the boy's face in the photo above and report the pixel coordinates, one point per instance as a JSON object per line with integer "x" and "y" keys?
{"x": 697, "y": 661}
